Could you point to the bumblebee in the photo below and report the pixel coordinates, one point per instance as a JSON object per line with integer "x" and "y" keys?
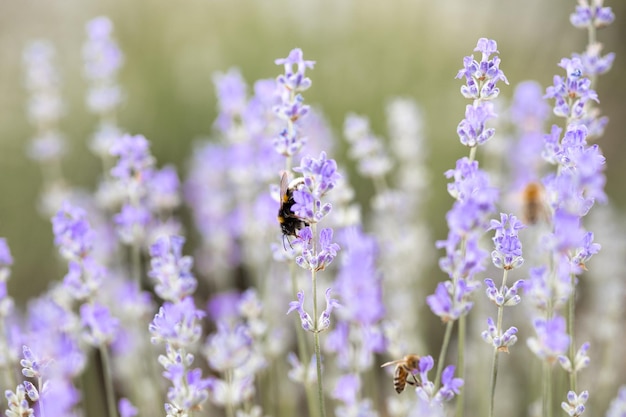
{"x": 289, "y": 222}
{"x": 404, "y": 369}
{"x": 534, "y": 203}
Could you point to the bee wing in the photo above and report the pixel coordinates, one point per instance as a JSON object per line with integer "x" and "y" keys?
{"x": 396, "y": 362}
{"x": 284, "y": 183}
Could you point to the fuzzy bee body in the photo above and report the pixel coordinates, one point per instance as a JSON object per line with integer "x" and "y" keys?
{"x": 403, "y": 373}
{"x": 289, "y": 222}
{"x": 534, "y": 203}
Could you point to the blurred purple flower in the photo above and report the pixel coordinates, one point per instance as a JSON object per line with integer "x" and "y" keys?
{"x": 295, "y": 80}
{"x": 552, "y": 339}
{"x": 591, "y": 14}
{"x": 450, "y": 302}
{"x": 177, "y": 324}
{"x": 229, "y": 347}
{"x": 72, "y": 232}
{"x": 358, "y": 282}
{"x": 171, "y": 270}
{"x": 100, "y": 327}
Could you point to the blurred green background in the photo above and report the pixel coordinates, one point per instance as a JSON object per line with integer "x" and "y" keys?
{"x": 366, "y": 52}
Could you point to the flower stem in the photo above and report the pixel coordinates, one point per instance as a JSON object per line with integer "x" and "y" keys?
{"x": 318, "y": 360}
{"x": 302, "y": 346}
{"x": 230, "y": 409}
{"x": 461, "y": 364}
{"x": 494, "y": 365}
{"x": 316, "y": 337}
{"x": 108, "y": 381}
{"x": 442, "y": 353}
{"x": 570, "y": 329}
{"x": 547, "y": 389}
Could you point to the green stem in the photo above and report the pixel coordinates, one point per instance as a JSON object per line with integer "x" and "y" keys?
{"x": 318, "y": 360}
{"x": 442, "y": 353}
{"x": 305, "y": 358}
{"x": 472, "y": 155}
{"x": 547, "y": 389}
{"x": 570, "y": 329}
{"x": 494, "y": 365}
{"x": 461, "y": 363}
{"x": 318, "y": 355}
{"x": 230, "y": 410}
{"x": 494, "y": 376}
{"x": 108, "y": 381}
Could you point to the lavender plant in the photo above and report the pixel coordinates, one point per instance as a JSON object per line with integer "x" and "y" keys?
{"x": 101, "y": 316}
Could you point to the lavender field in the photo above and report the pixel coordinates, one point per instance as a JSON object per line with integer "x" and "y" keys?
{"x": 272, "y": 209}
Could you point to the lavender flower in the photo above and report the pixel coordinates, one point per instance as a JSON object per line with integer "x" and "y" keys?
{"x": 100, "y": 326}
{"x": 126, "y": 408}
{"x": 316, "y": 257}
{"x": 575, "y": 405}
{"x": 552, "y": 339}
{"x": 171, "y": 270}
{"x": 504, "y": 297}
{"x": 591, "y": 15}
{"x": 481, "y": 77}
{"x": 18, "y": 402}
{"x": 228, "y": 348}
{"x": 426, "y": 389}
{"x": 358, "y": 282}
{"x": 103, "y": 59}
{"x": 618, "y": 404}
{"x": 366, "y": 148}
{"x": 291, "y": 109}
{"x": 450, "y": 302}
{"x": 500, "y": 341}
{"x": 572, "y": 92}
{"x": 320, "y": 176}
{"x": 581, "y": 360}
{"x": 471, "y": 130}
{"x": 177, "y": 324}
{"x": 72, "y": 233}
{"x": 508, "y": 253}
{"x": 346, "y": 391}
{"x": 305, "y": 318}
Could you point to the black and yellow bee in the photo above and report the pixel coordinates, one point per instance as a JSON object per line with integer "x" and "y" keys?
{"x": 289, "y": 222}
{"x": 403, "y": 373}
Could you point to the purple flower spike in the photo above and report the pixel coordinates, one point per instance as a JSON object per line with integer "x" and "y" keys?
{"x": 134, "y": 157}
{"x": 295, "y": 80}
{"x": 552, "y": 339}
{"x": 305, "y": 319}
{"x": 508, "y": 253}
{"x": 100, "y": 327}
{"x": 326, "y": 250}
{"x": 450, "y": 386}
{"x": 591, "y": 14}
{"x": 177, "y": 324}
{"x": 72, "y": 232}
{"x": 171, "y": 270}
{"x": 481, "y": 77}
{"x": 471, "y": 130}
{"x": 324, "y": 320}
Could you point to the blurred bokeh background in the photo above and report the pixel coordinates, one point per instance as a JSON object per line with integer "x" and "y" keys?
{"x": 366, "y": 52}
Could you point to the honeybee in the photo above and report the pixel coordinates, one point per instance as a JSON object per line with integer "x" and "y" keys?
{"x": 289, "y": 222}
{"x": 534, "y": 208}
{"x": 404, "y": 371}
